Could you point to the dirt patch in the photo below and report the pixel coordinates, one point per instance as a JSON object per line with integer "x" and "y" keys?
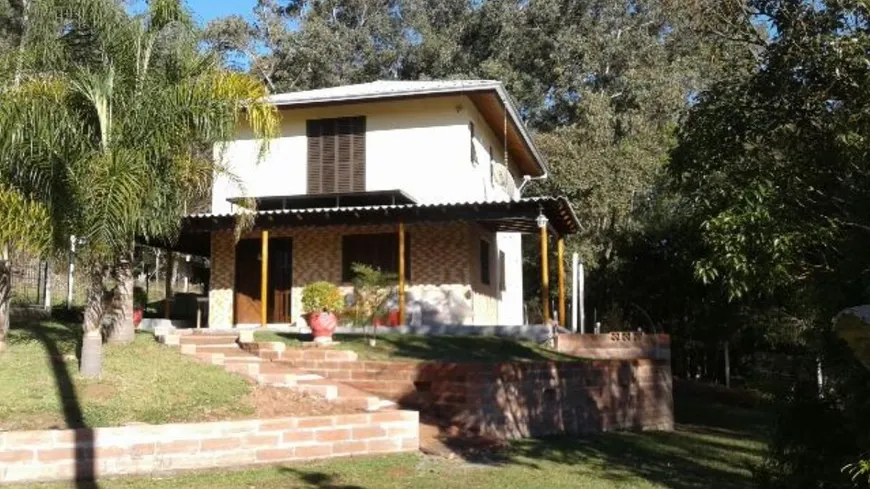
{"x": 35, "y": 421}
{"x": 449, "y": 441}
{"x": 98, "y": 392}
{"x": 275, "y": 402}
{"x": 399, "y": 472}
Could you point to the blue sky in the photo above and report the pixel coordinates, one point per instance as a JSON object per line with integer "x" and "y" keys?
{"x": 206, "y": 10}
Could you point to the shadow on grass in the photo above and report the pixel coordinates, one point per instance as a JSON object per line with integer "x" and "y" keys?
{"x": 439, "y": 348}
{"x": 53, "y": 338}
{"x": 318, "y": 480}
{"x": 710, "y": 452}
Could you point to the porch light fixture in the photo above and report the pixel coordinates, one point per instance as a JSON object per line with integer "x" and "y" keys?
{"x": 542, "y": 220}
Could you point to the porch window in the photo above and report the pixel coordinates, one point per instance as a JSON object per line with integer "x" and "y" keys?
{"x": 375, "y": 250}
{"x": 485, "y": 272}
{"x": 336, "y": 155}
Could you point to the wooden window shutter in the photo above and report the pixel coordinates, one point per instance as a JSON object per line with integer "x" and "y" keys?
{"x": 358, "y": 154}
{"x": 329, "y": 156}
{"x": 313, "y": 132}
{"x": 336, "y": 155}
{"x": 344, "y": 176}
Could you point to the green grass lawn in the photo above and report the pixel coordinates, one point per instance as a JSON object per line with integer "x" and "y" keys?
{"x": 394, "y": 346}
{"x": 144, "y": 382}
{"x": 715, "y": 446}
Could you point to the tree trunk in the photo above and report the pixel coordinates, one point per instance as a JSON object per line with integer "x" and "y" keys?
{"x": 5, "y": 295}
{"x": 92, "y": 339}
{"x": 727, "y": 366}
{"x": 122, "y": 329}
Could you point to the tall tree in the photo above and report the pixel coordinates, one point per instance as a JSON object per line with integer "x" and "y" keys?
{"x": 772, "y": 165}
{"x": 118, "y": 142}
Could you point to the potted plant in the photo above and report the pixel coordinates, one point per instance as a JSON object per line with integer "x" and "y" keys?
{"x": 320, "y": 301}
{"x": 372, "y": 289}
{"x": 140, "y": 302}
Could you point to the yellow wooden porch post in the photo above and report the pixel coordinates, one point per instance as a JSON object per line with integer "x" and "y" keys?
{"x": 167, "y": 284}
{"x": 264, "y": 278}
{"x": 545, "y": 269}
{"x": 560, "y": 252}
{"x": 401, "y": 273}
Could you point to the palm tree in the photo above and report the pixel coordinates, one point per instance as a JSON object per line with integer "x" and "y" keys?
{"x": 24, "y": 225}
{"x": 119, "y": 143}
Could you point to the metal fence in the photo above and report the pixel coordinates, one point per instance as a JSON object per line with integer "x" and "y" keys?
{"x": 40, "y": 282}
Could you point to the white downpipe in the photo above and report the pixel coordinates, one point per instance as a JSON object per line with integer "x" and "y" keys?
{"x": 581, "y": 292}
{"x": 578, "y": 294}
{"x": 527, "y": 179}
{"x": 71, "y": 273}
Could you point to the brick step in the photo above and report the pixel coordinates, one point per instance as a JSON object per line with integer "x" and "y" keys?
{"x": 220, "y": 356}
{"x": 278, "y": 380}
{"x": 242, "y": 359}
{"x": 338, "y": 368}
{"x": 205, "y": 340}
{"x": 271, "y": 363}
{"x": 363, "y": 400}
{"x": 229, "y": 351}
{"x": 282, "y": 377}
{"x": 205, "y": 346}
{"x": 322, "y": 354}
{"x": 276, "y": 350}
{"x": 274, "y": 368}
{"x": 250, "y": 370}
{"x": 323, "y": 388}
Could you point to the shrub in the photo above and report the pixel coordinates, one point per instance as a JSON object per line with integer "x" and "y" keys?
{"x": 321, "y": 297}
{"x": 372, "y": 289}
{"x": 140, "y": 298}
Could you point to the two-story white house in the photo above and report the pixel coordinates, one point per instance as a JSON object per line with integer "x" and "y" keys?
{"x": 359, "y": 172}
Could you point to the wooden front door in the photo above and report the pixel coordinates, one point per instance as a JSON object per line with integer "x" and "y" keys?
{"x": 247, "y": 296}
{"x": 280, "y": 279}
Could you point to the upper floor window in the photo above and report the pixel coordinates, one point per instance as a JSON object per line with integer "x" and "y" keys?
{"x": 336, "y": 155}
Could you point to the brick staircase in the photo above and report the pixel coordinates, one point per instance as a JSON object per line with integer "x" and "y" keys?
{"x": 266, "y": 364}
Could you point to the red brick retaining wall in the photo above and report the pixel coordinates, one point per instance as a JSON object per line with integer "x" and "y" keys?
{"x": 522, "y": 398}
{"x": 147, "y": 449}
{"x": 616, "y": 346}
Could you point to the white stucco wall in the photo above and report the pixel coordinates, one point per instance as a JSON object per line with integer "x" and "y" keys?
{"x": 419, "y": 146}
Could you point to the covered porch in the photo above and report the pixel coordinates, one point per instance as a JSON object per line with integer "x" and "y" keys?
{"x": 456, "y": 263}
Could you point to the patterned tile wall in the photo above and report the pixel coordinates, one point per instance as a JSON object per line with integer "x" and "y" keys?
{"x": 443, "y": 259}
{"x": 223, "y": 270}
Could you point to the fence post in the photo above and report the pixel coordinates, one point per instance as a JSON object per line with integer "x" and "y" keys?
{"x": 49, "y": 278}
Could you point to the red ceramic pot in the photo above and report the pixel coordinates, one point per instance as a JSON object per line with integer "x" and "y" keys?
{"x": 393, "y": 318}
{"x": 322, "y": 325}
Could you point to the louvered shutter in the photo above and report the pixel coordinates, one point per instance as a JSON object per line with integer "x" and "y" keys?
{"x": 329, "y": 156}
{"x": 336, "y": 155}
{"x": 358, "y": 155}
{"x": 313, "y": 132}
{"x": 344, "y": 181}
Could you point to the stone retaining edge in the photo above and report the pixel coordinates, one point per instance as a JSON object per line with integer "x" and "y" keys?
{"x": 55, "y": 455}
